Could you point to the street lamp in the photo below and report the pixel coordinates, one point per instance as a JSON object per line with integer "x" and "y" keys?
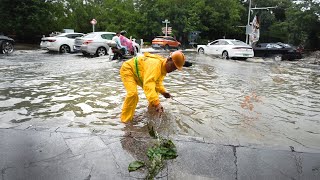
{"x": 166, "y": 22}
{"x": 248, "y": 23}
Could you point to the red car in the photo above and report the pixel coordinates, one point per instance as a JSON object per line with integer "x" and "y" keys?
{"x": 165, "y": 42}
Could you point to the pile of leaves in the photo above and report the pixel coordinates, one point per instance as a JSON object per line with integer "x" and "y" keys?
{"x": 163, "y": 150}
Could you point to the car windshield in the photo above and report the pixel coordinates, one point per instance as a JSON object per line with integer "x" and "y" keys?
{"x": 238, "y": 42}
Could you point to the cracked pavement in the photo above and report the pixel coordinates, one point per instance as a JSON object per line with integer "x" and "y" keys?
{"x": 75, "y": 153}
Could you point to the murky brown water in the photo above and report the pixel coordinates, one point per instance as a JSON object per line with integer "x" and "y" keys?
{"x": 238, "y": 102}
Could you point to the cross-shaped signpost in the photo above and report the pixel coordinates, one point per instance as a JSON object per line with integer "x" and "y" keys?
{"x": 166, "y": 22}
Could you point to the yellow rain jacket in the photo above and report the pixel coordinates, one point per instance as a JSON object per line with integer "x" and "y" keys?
{"x": 148, "y": 72}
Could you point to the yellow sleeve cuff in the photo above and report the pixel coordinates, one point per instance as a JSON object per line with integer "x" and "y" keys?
{"x": 156, "y": 102}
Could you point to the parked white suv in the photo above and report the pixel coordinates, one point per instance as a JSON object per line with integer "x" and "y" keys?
{"x": 62, "y": 43}
{"x": 95, "y": 43}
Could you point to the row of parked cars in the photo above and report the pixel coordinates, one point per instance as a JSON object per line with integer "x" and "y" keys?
{"x": 236, "y": 49}
{"x": 95, "y": 43}
{"x": 99, "y": 43}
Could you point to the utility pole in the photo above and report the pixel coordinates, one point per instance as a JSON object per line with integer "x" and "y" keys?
{"x": 166, "y": 22}
{"x": 249, "y": 12}
{"x": 248, "y": 23}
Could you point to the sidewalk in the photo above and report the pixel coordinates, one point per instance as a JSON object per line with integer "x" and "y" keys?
{"x": 75, "y": 153}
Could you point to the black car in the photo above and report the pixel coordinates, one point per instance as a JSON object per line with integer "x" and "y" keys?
{"x": 277, "y": 50}
{"x": 6, "y": 45}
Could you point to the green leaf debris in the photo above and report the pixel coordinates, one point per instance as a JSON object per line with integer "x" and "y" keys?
{"x": 163, "y": 149}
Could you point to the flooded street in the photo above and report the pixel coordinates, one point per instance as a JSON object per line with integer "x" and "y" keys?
{"x": 253, "y": 103}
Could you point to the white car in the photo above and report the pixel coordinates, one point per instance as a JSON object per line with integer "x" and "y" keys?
{"x": 62, "y": 43}
{"x": 97, "y": 43}
{"x": 227, "y": 48}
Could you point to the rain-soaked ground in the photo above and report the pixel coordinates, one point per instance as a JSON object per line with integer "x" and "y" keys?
{"x": 258, "y": 102}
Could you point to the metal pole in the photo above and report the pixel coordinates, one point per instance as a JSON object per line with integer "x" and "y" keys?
{"x": 247, "y": 35}
{"x": 92, "y": 27}
{"x": 166, "y": 22}
{"x": 166, "y": 28}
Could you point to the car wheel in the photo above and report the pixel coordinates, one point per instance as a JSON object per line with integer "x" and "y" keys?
{"x": 201, "y": 51}
{"x": 166, "y": 47}
{"x": 7, "y": 47}
{"x": 225, "y": 55}
{"x": 64, "y": 49}
{"x": 278, "y": 57}
{"x": 85, "y": 53}
{"x": 101, "y": 51}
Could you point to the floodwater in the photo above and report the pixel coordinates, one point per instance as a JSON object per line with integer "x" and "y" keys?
{"x": 252, "y": 103}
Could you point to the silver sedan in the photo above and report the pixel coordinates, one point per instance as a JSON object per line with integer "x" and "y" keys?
{"x": 95, "y": 43}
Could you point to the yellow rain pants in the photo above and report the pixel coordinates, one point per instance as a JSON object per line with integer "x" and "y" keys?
{"x": 146, "y": 71}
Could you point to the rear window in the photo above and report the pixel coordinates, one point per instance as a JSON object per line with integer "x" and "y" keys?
{"x": 107, "y": 36}
{"x": 273, "y": 46}
{"x": 92, "y": 35}
{"x": 61, "y": 35}
{"x": 158, "y": 38}
{"x": 73, "y": 36}
{"x": 170, "y": 38}
{"x": 238, "y": 43}
{"x": 285, "y": 45}
{"x": 222, "y": 43}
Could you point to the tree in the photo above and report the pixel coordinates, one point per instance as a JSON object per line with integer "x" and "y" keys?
{"x": 29, "y": 18}
{"x": 304, "y": 24}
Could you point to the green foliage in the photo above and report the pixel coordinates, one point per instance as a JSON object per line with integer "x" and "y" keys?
{"x": 163, "y": 150}
{"x": 135, "y": 165}
{"x": 304, "y": 24}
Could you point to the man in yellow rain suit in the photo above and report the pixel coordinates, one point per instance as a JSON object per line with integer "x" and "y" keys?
{"x": 147, "y": 71}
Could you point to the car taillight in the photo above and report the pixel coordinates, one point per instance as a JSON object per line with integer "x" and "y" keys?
{"x": 52, "y": 40}
{"x": 241, "y": 48}
{"x": 87, "y": 42}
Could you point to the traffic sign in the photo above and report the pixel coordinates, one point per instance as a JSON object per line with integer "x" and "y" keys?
{"x": 169, "y": 30}
{"x": 166, "y": 21}
{"x": 93, "y": 21}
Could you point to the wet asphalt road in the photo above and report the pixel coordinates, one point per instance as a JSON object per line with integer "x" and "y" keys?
{"x": 252, "y": 103}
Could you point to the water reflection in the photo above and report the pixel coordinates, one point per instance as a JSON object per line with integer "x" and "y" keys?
{"x": 256, "y": 102}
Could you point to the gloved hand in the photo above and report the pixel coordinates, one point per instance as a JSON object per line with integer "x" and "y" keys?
{"x": 159, "y": 109}
{"x": 166, "y": 95}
